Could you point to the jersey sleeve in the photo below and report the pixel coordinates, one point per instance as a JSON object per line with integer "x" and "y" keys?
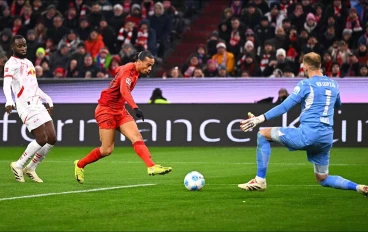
{"x": 300, "y": 91}
{"x": 125, "y": 85}
{"x": 338, "y": 101}
{"x": 9, "y": 70}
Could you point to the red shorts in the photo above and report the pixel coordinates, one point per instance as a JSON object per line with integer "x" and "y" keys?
{"x": 108, "y": 118}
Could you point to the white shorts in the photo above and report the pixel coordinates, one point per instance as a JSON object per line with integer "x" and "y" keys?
{"x": 35, "y": 118}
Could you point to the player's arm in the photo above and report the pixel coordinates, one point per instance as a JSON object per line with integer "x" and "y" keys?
{"x": 47, "y": 99}
{"x": 8, "y": 78}
{"x": 337, "y": 102}
{"x": 127, "y": 95}
{"x": 300, "y": 91}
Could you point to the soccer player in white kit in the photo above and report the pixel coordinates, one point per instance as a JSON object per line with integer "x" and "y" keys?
{"x": 20, "y": 76}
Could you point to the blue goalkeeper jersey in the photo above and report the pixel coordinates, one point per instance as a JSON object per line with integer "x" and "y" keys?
{"x": 319, "y": 96}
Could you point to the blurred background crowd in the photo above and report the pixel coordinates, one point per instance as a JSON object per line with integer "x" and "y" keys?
{"x": 189, "y": 38}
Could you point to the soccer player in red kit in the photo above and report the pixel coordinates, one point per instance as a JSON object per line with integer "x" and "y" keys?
{"x": 111, "y": 115}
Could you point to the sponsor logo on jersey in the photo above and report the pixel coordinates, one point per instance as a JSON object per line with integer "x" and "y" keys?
{"x": 129, "y": 82}
{"x": 32, "y": 72}
{"x": 296, "y": 90}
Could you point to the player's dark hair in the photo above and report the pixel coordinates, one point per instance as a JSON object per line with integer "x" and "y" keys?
{"x": 143, "y": 55}
{"x": 15, "y": 37}
{"x": 156, "y": 94}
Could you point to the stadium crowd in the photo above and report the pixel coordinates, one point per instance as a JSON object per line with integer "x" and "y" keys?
{"x": 82, "y": 38}
{"x": 268, "y": 39}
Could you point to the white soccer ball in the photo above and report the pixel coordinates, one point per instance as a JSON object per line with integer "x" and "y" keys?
{"x": 194, "y": 181}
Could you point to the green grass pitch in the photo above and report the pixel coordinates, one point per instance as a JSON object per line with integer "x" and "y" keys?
{"x": 293, "y": 200}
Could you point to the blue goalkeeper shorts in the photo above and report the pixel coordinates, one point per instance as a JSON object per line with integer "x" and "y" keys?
{"x": 318, "y": 149}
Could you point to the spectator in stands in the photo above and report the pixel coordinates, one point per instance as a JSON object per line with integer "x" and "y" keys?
{"x": 6, "y": 19}
{"x": 224, "y": 31}
{"x": 297, "y": 17}
{"x": 211, "y": 70}
{"x": 82, "y": 8}
{"x": 212, "y": 43}
{"x": 127, "y": 53}
{"x": 264, "y": 31}
{"x": 103, "y": 59}
{"x": 275, "y": 16}
{"x": 236, "y": 8}
{"x": 311, "y": 25}
{"x": 327, "y": 63}
{"x": 39, "y": 72}
{"x": 84, "y": 29}
{"x": 249, "y": 48}
{"x": 245, "y": 74}
{"x": 106, "y": 8}
{"x": 250, "y": 36}
{"x": 286, "y": 25}
{"x": 102, "y": 73}
{"x": 347, "y": 37}
{"x": 46, "y": 69}
{"x": 363, "y": 71}
{"x": 40, "y": 56}
{"x": 227, "y": 15}
{"x": 108, "y": 34}
{"x": 222, "y": 71}
{"x": 28, "y": 18}
{"x": 285, "y": 6}
{"x": 313, "y": 45}
{"x": 173, "y": 73}
{"x": 117, "y": 20}
{"x": 95, "y": 15}
{"x": 328, "y": 37}
{"x": 338, "y": 11}
{"x": 49, "y": 15}
{"x": 353, "y": 25}
{"x": 288, "y": 73}
{"x": 147, "y": 8}
{"x": 146, "y": 38}
{"x": 161, "y": 23}
{"x": 351, "y": 67}
{"x": 202, "y": 54}
{"x": 18, "y": 28}
{"x": 307, "y": 6}
{"x": 236, "y": 26}
{"x": 41, "y": 32}
{"x": 6, "y": 35}
{"x": 71, "y": 19}
{"x": 235, "y": 44}
{"x": 247, "y": 63}
{"x": 72, "y": 70}
{"x": 280, "y": 39}
{"x": 88, "y": 69}
{"x": 71, "y": 40}
{"x": 94, "y": 43}
{"x": 362, "y": 53}
{"x": 57, "y": 31}
{"x": 16, "y": 7}
{"x": 49, "y": 49}
{"x": 79, "y": 54}
{"x": 60, "y": 57}
{"x": 280, "y": 63}
{"x": 32, "y": 45}
{"x": 127, "y": 34}
{"x": 364, "y": 38}
{"x": 115, "y": 63}
{"x": 198, "y": 73}
{"x": 223, "y": 57}
{"x": 37, "y": 8}
{"x": 340, "y": 54}
{"x": 157, "y": 97}
{"x": 283, "y": 94}
{"x": 3, "y": 60}
{"x": 335, "y": 70}
{"x": 318, "y": 13}
{"x": 59, "y": 72}
{"x": 190, "y": 66}
{"x": 135, "y": 16}
{"x": 268, "y": 53}
{"x": 262, "y": 5}
{"x": 251, "y": 17}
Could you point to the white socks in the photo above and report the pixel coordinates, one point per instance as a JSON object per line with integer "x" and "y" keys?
{"x": 32, "y": 148}
{"x": 39, "y": 156}
{"x": 260, "y": 180}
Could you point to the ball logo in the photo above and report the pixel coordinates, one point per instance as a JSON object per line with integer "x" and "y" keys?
{"x": 296, "y": 90}
{"x": 129, "y": 82}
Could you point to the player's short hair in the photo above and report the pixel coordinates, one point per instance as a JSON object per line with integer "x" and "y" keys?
{"x": 313, "y": 60}
{"x": 143, "y": 55}
{"x": 16, "y": 37}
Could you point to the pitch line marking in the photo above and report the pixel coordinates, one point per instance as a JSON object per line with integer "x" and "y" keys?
{"x": 77, "y": 191}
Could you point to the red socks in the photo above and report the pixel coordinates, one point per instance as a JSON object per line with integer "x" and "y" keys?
{"x": 141, "y": 149}
{"x": 93, "y": 156}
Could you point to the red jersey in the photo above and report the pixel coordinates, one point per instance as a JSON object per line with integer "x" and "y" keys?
{"x": 119, "y": 91}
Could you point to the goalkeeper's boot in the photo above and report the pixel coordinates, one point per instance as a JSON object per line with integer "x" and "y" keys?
{"x": 254, "y": 185}
{"x": 78, "y": 172}
{"x": 18, "y": 172}
{"x": 32, "y": 174}
{"x": 363, "y": 189}
{"x": 158, "y": 170}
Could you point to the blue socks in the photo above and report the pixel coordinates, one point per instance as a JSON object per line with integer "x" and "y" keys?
{"x": 263, "y": 155}
{"x": 338, "y": 182}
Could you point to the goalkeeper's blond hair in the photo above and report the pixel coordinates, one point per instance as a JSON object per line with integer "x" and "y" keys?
{"x": 313, "y": 60}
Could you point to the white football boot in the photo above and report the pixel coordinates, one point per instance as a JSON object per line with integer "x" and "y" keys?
{"x": 253, "y": 185}
{"x": 18, "y": 172}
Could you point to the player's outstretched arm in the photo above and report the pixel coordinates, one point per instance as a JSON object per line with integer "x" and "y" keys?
{"x": 337, "y": 102}
{"x": 9, "y": 105}
{"x": 127, "y": 95}
{"x": 47, "y": 99}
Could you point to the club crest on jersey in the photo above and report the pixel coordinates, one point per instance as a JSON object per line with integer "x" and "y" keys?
{"x": 32, "y": 72}
{"x": 129, "y": 82}
{"x": 296, "y": 90}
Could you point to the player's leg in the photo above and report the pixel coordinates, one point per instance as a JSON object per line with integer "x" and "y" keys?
{"x": 130, "y": 130}
{"x": 320, "y": 161}
{"x": 263, "y": 156}
{"x": 39, "y": 132}
{"x": 40, "y": 155}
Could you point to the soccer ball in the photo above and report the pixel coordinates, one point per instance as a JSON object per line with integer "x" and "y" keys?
{"x": 194, "y": 181}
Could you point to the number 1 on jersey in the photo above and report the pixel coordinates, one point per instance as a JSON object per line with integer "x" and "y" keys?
{"x": 328, "y": 101}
